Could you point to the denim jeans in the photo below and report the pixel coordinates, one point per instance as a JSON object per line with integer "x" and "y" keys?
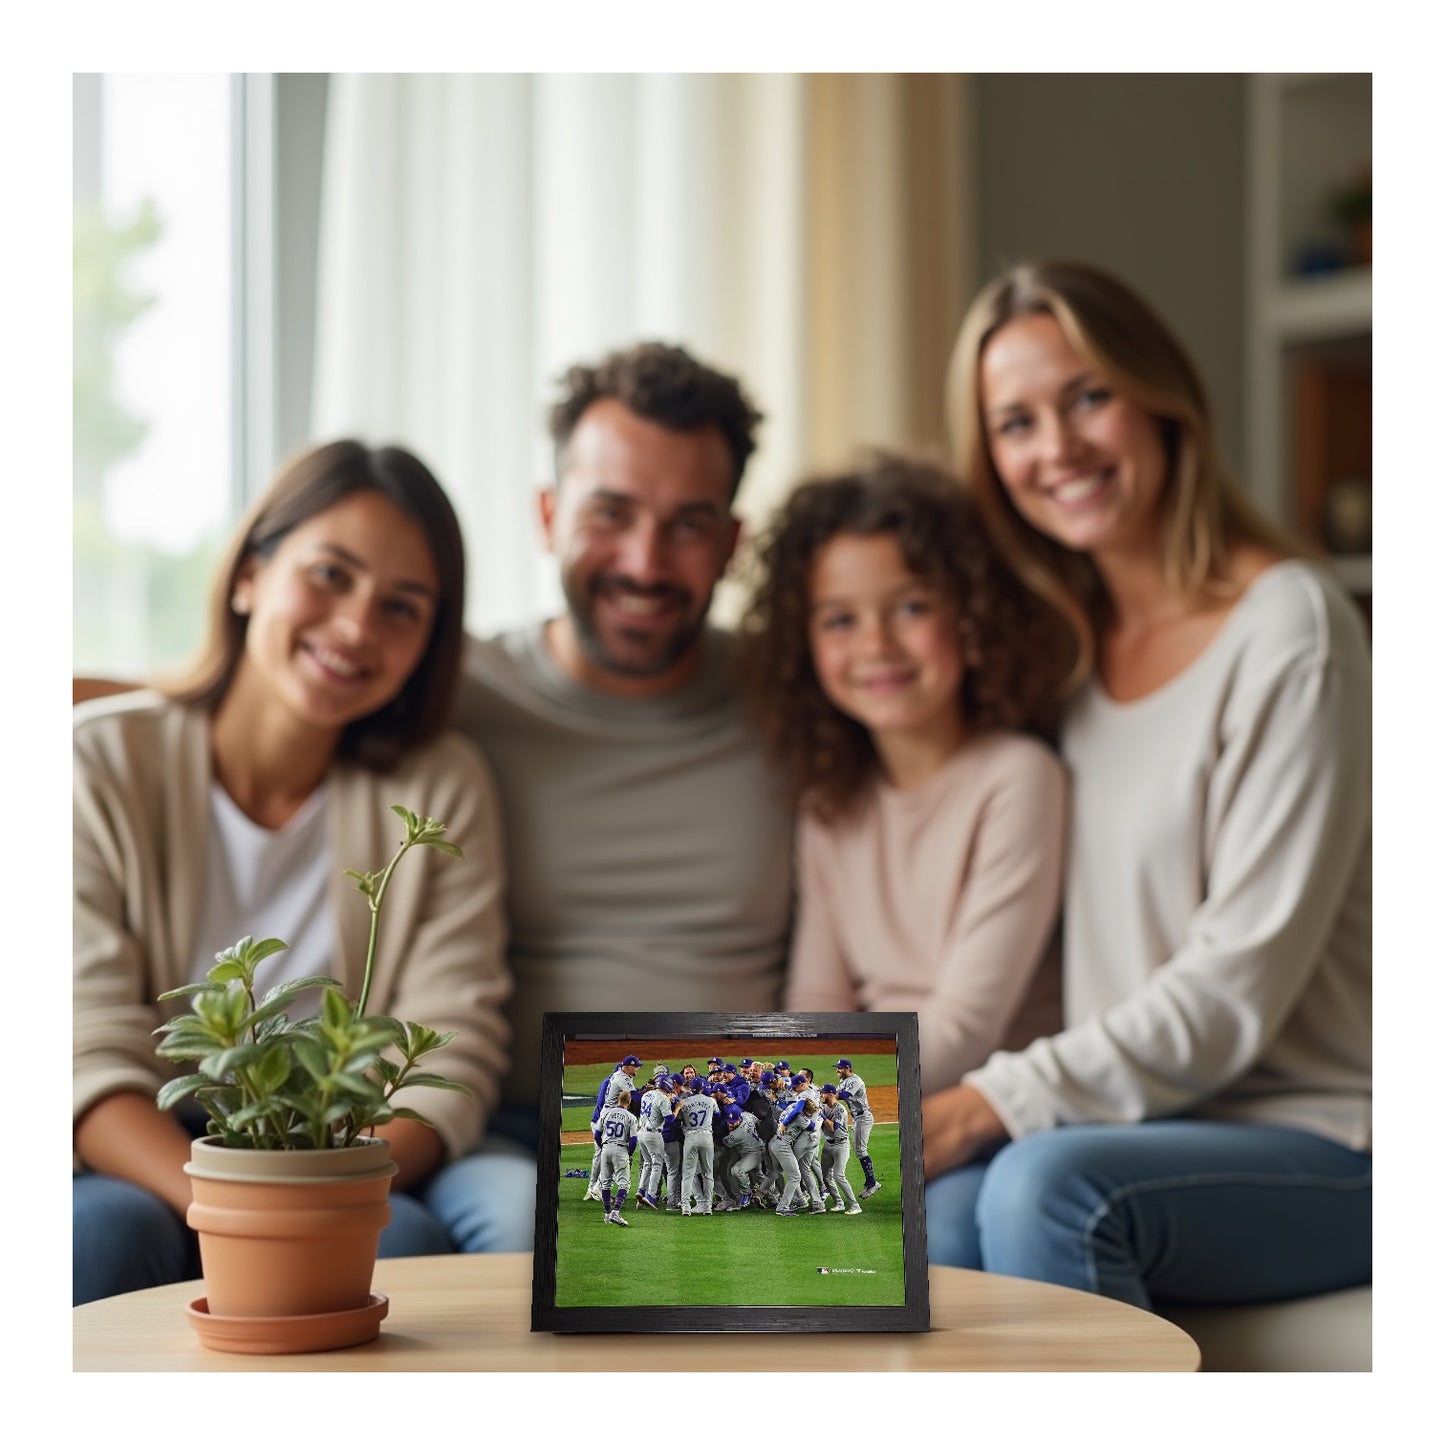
{"x": 1191, "y": 1210}
{"x": 124, "y": 1237}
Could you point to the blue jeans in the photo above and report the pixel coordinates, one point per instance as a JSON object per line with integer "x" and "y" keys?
{"x": 124, "y": 1237}
{"x": 1187, "y": 1210}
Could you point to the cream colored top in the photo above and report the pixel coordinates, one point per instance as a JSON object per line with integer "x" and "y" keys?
{"x": 141, "y": 782}
{"x": 940, "y": 899}
{"x": 1217, "y": 949}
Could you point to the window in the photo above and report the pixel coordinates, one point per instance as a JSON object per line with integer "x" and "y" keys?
{"x": 156, "y": 362}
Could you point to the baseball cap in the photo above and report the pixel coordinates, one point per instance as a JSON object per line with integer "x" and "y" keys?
{"x": 630, "y": 1059}
{"x": 697, "y": 1086}
{"x": 732, "y": 1112}
{"x": 678, "y": 1079}
{"x": 781, "y": 1064}
{"x": 745, "y": 1063}
{"x": 715, "y": 1063}
{"x": 766, "y": 1077}
{"x": 800, "y": 1078}
{"x": 828, "y": 1089}
{"x": 730, "y": 1068}
{"x": 844, "y": 1064}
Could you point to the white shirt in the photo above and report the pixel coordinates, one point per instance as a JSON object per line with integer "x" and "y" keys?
{"x": 268, "y": 883}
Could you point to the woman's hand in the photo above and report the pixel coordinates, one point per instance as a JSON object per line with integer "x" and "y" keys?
{"x": 957, "y": 1123}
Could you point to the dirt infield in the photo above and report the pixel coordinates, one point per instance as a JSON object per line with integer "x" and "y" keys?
{"x": 882, "y": 1098}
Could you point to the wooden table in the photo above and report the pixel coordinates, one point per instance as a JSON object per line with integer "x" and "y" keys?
{"x": 473, "y": 1312}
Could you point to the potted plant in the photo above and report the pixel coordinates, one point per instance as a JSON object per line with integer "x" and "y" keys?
{"x": 289, "y": 1185}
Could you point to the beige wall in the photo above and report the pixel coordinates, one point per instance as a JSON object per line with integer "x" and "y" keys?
{"x": 1143, "y": 174}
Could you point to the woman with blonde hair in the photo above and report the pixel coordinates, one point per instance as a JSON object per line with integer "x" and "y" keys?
{"x": 228, "y": 803}
{"x": 1200, "y": 1130}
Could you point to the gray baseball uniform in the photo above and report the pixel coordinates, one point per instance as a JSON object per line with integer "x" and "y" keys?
{"x": 854, "y": 1093}
{"x": 835, "y": 1151}
{"x": 616, "y": 1125}
{"x": 746, "y": 1149}
{"x": 798, "y": 1131}
{"x": 696, "y": 1116}
{"x": 617, "y": 1081}
{"x": 656, "y": 1106}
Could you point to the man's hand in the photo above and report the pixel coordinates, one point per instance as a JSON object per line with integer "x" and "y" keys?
{"x": 957, "y": 1123}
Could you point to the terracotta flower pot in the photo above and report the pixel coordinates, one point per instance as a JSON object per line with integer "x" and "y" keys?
{"x": 286, "y": 1232}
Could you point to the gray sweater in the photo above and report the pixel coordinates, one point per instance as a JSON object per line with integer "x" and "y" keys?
{"x": 647, "y": 842}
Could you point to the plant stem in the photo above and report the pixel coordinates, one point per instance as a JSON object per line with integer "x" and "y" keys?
{"x": 375, "y": 903}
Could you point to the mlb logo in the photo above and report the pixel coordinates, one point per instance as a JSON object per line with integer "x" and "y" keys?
{"x": 821, "y": 1270}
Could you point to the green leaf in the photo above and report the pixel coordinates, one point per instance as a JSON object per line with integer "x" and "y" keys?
{"x": 401, "y": 1112}
{"x": 187, "y": 989}
{"x": 180, "y": 1050}
{"x": 313, "y": 1058}
{"x": 174, "y": 1090}
{"x": 393, "y": 1030}
{"x": 232, "y": 1061}
{"x": 335, "y": 1011}
{"x": 450, "y": 849}
{"x": 257, "y": 952}
{"x": 435, "y": 1081}
{"x": 365, "y": 882}
{"x": 273, "y": 1069}
{"x": 426, "y": 1041}
{"x": 288, "y": 989}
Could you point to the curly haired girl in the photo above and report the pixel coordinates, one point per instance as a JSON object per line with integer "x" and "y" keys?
{"x": 893, "y": 663}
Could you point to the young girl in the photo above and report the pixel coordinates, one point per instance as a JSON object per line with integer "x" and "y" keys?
{"x": 893, "y": 661}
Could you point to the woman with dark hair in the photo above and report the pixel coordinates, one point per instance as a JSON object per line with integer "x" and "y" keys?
{"x": 1200, "y": 1130}
{"x": 227, "y": 803}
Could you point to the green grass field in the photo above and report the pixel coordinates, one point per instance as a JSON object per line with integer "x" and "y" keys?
{"x": 751, "y": 1258}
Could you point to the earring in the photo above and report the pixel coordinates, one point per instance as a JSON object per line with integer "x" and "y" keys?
{"x": 240, "y": 604}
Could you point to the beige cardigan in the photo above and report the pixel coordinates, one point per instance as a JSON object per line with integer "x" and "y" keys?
{"x": 142, "y": 777}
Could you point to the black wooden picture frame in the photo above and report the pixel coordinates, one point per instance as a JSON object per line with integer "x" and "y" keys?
{"x": 732, "y": 1033}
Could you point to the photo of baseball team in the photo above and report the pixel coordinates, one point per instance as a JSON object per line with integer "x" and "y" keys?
{"x": 740, "y": 1135}
{"x": 653, "y": 1134}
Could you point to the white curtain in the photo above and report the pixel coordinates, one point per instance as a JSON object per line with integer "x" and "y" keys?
{"x": 480, "y": 233}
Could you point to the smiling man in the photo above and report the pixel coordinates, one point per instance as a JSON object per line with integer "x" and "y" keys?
{"x": 648, "y": 843}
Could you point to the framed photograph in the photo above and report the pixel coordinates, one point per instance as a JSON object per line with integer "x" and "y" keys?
{"x": 708, "y": 1172}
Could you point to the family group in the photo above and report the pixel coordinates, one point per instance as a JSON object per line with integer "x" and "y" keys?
{"x": 1060, "y": 745}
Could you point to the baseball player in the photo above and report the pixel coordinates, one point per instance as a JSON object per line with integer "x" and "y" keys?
{"x": 737, "y": 1086}
{"x": 656, "y": 1109}
{"x": 738, "y": 1178}
{"x": 854, "y": 1093}
{"x": 795, "y": 1136}
{"x": 763, "y": 1104}
{"x": 607, "y": 1092}
{"x": 696, "y": 1114}
{"x": 833, "y": 1126}
{"x": 616, "y": 1136}
{"x": 672, "y": 1142}
{"x": 812, "y": 1167}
